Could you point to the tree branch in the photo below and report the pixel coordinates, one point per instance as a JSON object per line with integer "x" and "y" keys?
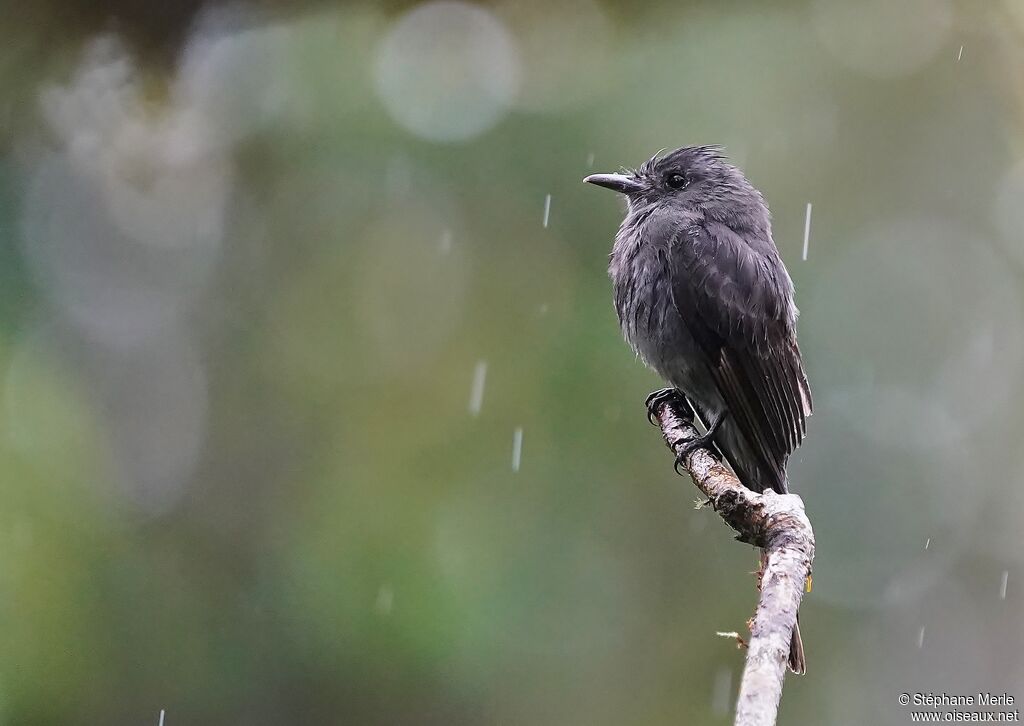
{"x": 776, "y": 523}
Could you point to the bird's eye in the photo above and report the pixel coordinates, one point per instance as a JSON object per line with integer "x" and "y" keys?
{"x": 676, "y": 181}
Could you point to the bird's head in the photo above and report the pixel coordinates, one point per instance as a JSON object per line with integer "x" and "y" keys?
{"x": 689, "y": 178}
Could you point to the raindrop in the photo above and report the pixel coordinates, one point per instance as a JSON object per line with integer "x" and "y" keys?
{"x": 960, "y": 54}
{"x": 385, "y": 600}
{"x": 543, "y": 309}
{"x": 590, "y": 160}
{"x": 1002, "y": 585}
{"x": 928, "y": 543}
{"x": 476, "y": 393}
{"x": 547, "y": 210}
{"x": 517, "y": 448}
{"x": 721, "y": 693}
{"x": 446, "y": 242}
{"x": 920, "y": 637}
{"x": 807, "y": 229}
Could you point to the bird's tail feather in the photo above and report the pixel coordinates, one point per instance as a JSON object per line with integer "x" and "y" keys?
{"x": 797, "y": 662}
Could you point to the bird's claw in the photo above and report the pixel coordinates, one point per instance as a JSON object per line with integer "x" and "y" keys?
{"x": 658, "y": 399}
{"x": 701, "y": 442}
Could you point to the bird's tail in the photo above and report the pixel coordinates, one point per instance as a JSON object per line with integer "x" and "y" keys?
{"x": 797, "y": 663}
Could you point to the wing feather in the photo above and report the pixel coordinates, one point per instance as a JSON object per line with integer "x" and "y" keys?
{"x": 736, "y": 300}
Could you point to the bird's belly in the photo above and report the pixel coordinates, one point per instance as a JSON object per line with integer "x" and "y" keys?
{"x": 656, "y": 332}
{"x": 664, "y": 349}
{"x": 673, "y": 355}
{"x": 653, "y": 326}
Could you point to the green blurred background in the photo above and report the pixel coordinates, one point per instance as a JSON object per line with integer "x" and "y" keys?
{"x": 280, "y": 284}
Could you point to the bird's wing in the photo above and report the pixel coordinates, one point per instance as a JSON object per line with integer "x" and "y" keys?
{"x": 737, "y": 304}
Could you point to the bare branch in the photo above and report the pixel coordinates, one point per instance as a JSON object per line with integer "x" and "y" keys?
{"x": 776, "y": 523}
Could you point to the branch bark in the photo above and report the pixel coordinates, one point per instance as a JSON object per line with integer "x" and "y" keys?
{"x": 776, "y": 523}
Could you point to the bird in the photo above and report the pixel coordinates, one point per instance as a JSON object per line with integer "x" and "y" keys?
{"x": 705, "y": 300}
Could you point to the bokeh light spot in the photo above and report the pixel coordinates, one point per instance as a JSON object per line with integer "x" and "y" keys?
{"x": 447, "y": 71}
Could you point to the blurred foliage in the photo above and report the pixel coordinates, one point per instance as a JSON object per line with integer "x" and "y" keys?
{"x": 251, "y": 257}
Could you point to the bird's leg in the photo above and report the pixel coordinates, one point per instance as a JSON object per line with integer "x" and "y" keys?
{"x": 701, "y": 442}
{"x": 655, "y": 401}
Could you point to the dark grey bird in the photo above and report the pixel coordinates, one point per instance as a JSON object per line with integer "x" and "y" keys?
{"x": 705, "y": 300}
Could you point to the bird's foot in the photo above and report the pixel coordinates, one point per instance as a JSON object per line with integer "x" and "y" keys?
{"x": 659, "y": 398}
{"x": 701, "y": 442}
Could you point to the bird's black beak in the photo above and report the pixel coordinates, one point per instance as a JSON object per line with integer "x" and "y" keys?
{"x": 622, "y": 183}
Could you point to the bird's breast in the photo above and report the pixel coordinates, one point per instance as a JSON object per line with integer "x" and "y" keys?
{"x": 652, "y": 326}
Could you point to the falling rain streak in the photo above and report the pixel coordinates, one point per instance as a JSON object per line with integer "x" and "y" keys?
{"x": 920, "y": 637}
{"x": 547, "y": 210}
{"x": 590, "y": 160}
{"x": 807, "y": 229}
{"x": 928, "y": 543}
{"x": 517, "y": 448}
{"x": 476, "y": 392}
{"x": 161, "y": 717}
{"x": 385, "y": 600}
{"x": 960, "y": 54}
{"x": 1003, "y": 584}
{"x": 721, "y": 693}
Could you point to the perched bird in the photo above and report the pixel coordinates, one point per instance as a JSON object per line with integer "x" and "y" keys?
{"x": 705, "y": 300}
